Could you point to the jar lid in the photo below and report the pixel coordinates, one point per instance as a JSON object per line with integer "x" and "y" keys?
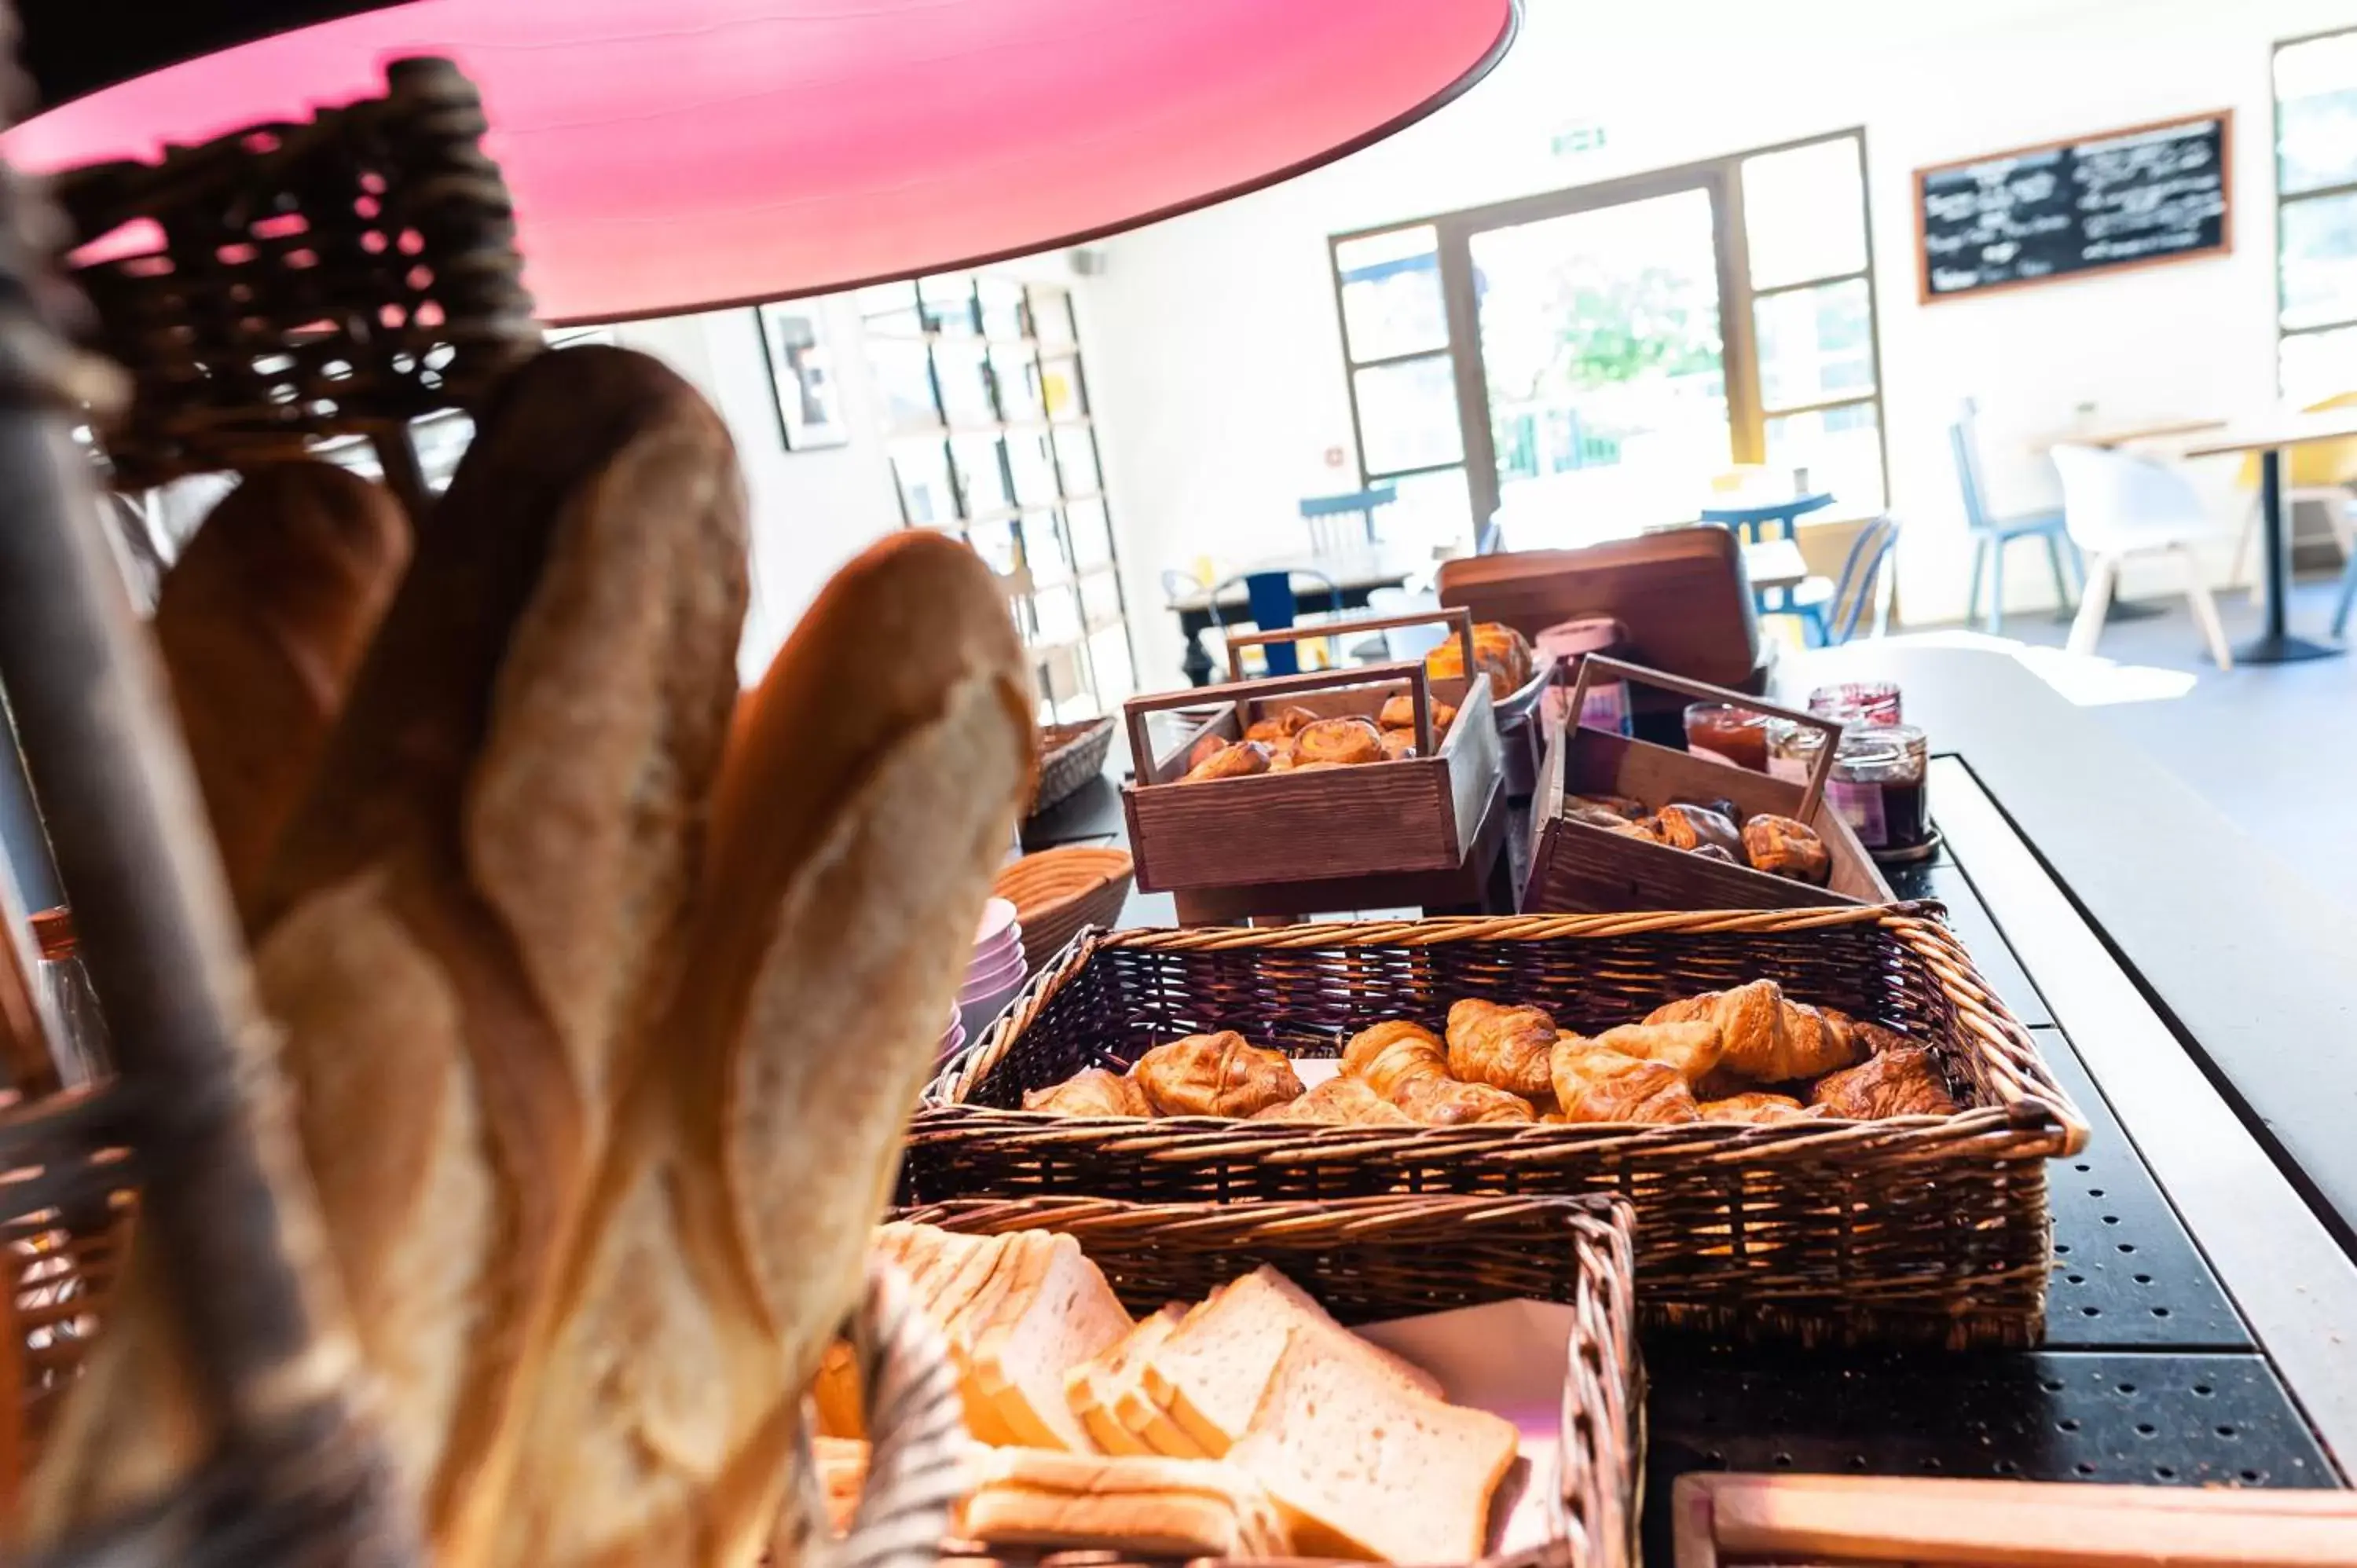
{"x": 53, "y": 932}
{"x": 1863, "y": 743}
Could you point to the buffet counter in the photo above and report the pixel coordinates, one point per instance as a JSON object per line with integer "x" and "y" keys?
{"x": 2197, "y": 1321}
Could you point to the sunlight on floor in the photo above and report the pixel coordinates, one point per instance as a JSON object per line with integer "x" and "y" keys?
{"x": 2087, "y": 680}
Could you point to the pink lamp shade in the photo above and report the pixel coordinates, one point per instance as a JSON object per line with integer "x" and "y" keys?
{"x": 669, "y": 156}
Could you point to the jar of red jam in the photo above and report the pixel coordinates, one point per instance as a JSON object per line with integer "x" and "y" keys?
{"x": 1878, "y": 786}
{"x": 1874, "y": 702}
{"x": 1726, "y": 733}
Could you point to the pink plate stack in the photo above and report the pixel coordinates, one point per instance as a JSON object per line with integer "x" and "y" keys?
{"x": 995, "y": 972}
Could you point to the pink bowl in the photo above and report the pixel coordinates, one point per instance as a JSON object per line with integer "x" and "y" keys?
{"x": 982, "y": 984}
{"x": 980, "y": 1015}
{"x": 997, "y": 918}
{"x": 994, "y": 952}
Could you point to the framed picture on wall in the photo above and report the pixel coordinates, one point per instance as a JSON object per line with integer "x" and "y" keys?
{"x": 801, "y": 377}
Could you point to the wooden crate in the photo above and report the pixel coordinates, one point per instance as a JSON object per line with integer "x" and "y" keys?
{"x": 1522, "y": 739}
{"x": 1577, "y": 867}
{"x": 1343, "y": 838}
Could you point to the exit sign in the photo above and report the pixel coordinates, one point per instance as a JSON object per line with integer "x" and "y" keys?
{"x": 1586, "y": 136}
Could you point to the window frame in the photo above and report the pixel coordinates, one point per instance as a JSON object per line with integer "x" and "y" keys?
{"x": 2286, "y": 200}
{"x": 1748, "y": 413}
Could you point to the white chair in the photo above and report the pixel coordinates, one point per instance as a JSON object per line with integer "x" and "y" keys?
{"x": 2117, "y": 505}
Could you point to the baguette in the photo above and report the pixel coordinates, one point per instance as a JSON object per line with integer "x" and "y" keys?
{"x": 261, "y": 624}
{"x": 466, "y": 926}
{"x": 862, "y": 806}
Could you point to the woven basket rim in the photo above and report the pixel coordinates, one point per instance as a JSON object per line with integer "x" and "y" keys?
{"x": 1600, "y": 1420}
{"x": 2032, "y": 1099}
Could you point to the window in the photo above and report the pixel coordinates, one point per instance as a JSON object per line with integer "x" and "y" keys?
{"x": 1592, "y": 357}
{"x": 990, "y": 438}
{"x": 2316, "y": 216}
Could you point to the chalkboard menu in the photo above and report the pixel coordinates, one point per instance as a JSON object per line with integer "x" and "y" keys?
{"x": 2125, "y": 199}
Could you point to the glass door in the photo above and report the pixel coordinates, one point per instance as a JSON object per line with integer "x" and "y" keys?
{"x": 1602, "y": 364}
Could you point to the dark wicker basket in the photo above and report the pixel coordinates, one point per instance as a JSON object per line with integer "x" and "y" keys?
{"x": 1070, "y": 756}
{"x": 65, "y": 1228}
{"x": 1373, "y": 1258}
{"x": 336, "y": 276}
{"x": 1916, "y": 1230}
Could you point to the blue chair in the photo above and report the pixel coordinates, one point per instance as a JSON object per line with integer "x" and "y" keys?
{"x": 1833, "y": 609}
{"x": 1992, "y": 534}
{"x": 1331, "y": 533}
{"x": 1273, "y": 607}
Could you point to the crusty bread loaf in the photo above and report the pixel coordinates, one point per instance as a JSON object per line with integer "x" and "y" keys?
{"x": 466, "y": 926}
{"x": 1211, "y": 1374}
{"x": 862, "y": 806}
{"x": 262, "y": 623}
{"x": 1364, "y": 1466}
{"x": 1146, "y": 1507}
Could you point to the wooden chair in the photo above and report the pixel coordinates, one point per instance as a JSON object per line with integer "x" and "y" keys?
{"x": 1681, "y": 593}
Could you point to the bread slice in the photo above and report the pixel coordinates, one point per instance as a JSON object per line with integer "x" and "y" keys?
{"x": 1364, "y": 1468}
{"x": 1210, "y": 1376}
{"x": 1021, "y": 1260}
{"x": 1091, "y": 1388}
{"x": 835, "y": 1394}
{"x": 956, "y": 1272}
{"x": 1144, "y": 1506}
{"x": 1069, "y": 1317}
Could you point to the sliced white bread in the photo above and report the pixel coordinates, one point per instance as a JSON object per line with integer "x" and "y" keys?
{"x": 947, "y": 1269}
{"x": 1019, "y": 1258}
{"x": 1143, "y": 1507}
{"x": 1362, "y": 1466}
{"x": 1069, "y": 1316}
{"x": 1091, "y": 1388}
{"x": 1209, "y": 1377}
{"x": 836, "y": 1394}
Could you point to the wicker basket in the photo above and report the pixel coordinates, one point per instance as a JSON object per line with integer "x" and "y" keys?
{"x": 1914, "y": 1230}
{"x": 1370, "y": 1259}
{"x": 1057, "y": 892}
{"x": 1070, "y": 756}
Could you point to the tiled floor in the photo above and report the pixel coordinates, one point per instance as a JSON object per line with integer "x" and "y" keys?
{"x": 2274, "y": 748}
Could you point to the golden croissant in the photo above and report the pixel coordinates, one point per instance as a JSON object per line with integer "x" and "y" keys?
{"x": 1694, "y": 1048}
{"x": 1765, "y": 1037}
{"x": 1604, "y": 1086}
{"x": 1507, "y": 1046}
{"x": 1214, "y": 1075}
{"x": 1092, "y": 1091}
{"x": 1341, "y": 1098}
{"x": 1406, "y": 1064}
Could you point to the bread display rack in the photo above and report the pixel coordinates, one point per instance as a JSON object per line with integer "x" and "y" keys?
{"x": 1374, "y": 1258}
{"x": 1426, "y": 830}
{"x": 342, "y": 275}
{"x": 1577, "y": 866}
{"x": 1925, "y": 1230}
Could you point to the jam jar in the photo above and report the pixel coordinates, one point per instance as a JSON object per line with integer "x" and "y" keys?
{"x": 1878, "y": 785}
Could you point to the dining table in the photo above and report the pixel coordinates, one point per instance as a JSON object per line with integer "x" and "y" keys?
{"x": 2111, "y": 434}
{"x": 2271, "y": 436}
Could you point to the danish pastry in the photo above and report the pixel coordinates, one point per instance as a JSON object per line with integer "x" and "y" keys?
{"x": 1784, "y": 846}
{"x": 1205, "y": 748}
{"x": 1283, "y": 724}
{"x": 1398, "y": 744}
{"x": 1697, "y": 828}
{"x": 1346, "y": 740}
{"x": 1399, "y": 712}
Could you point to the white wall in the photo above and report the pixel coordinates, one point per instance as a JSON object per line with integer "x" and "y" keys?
{"x": 812, "y": 510}
{"x": 1216, "y": 358}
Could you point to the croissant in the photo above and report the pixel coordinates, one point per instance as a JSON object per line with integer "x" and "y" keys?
{"x": 1763, "y": 1110}
{"x": 1693, "y": 1048}
{"x": 1214, "y": 1075}
{"x": 1904, "y": 1082}
{"x": 1406, "y": 1064}
{"x": 1341, "y": 1098}
{"x": 1350, "y": 740}
{"x": 1230, "y": 762}
{"x": 1283, "y": 724}
{"x": 1784, "y": 846}
{"x": 1605, "y": 1085}
{"x": 1507, "y": 1046}
{"x": 1872, "y": 1038}
{"x": 1765, "y": 1037}
{"x": 1092, "y": 1091}
{"x": 1399, "y": 712}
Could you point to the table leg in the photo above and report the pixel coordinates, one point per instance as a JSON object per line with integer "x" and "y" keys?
{"x": 1197, "y": 665}
{"x": 2277, "y": 645}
